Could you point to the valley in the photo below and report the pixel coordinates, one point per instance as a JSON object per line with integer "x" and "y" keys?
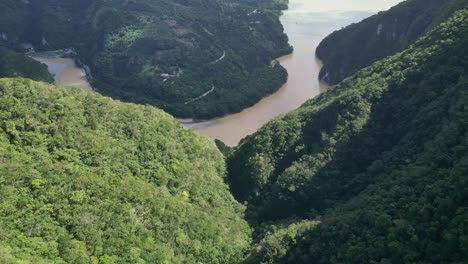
{"x": 163, "y": 53}
{"x": 95, "y": 169}
{"x": 306, "y": 23}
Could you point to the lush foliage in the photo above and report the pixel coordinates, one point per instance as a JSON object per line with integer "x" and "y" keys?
{"x": 376, "y": 166}
{"x": 13, "y": 64}
{"x": 85, "y": 179}
{"x": 167, "y": 53}
{"x": 359, "y": 45}
{"x": 372, "y": 171}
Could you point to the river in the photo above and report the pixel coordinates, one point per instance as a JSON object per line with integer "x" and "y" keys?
{"x": 306, "y": 23}
{"x": 65, "y": 71}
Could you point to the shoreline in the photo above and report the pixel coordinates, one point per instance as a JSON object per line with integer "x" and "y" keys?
{"x": 66, "y": 68}
{"x": 306, "y": 24}
{"x": 69, "y": 53}
{"x": 231, "y": 128}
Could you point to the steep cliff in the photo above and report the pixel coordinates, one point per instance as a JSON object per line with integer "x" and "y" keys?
{"x": 348, "y": 50}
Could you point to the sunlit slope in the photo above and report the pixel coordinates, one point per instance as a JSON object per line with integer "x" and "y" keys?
{"x": 85, "y": 179}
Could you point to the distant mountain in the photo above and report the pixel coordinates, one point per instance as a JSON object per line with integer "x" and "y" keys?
{"x": 85, "y": 179}
{"x": 167, "y": 53}
{"x": 348, "y": 50}
{"x": 373, "y": 170}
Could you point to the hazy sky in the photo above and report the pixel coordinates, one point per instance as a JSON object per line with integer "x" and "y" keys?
{"x": 337, "y": 12}
{"x": 344, "y": 5}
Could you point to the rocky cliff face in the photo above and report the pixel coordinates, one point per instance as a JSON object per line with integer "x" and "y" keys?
{"x": 346, "y": 51}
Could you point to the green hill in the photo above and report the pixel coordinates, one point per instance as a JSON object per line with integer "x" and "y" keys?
{"x": 357, "y": 46}
{"x": 14, "y": 64}
{"x": 85, "y": 179}
{"x": 166, "y": 53}
{"x": 372, "y": 171}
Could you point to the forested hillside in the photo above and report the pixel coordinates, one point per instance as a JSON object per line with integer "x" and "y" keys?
{"x": 85, "y": 179}
{"x": 14, "y": 64}
{"x": 348, "y": 50}
{"x": 167, "y": 53}
{"x": 372, "y": 171}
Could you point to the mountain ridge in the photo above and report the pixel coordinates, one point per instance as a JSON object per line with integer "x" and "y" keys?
{"x": 346, "y": 51}
{"x": 164, "y": 53}
{"x": 341, "y": 179}
{"x": 86, "y": 179}
{"x": 371, "y": 171}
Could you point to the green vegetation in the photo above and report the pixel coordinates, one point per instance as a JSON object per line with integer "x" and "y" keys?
{"x": 372, "y": 171}
{"x": 359, "y": 45}
{"x": 13, "y": 64}
{"x": 85, "y": 179}
{"x": 165, "y": 53}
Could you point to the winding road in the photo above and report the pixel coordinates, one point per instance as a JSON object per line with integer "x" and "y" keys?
{"x": 201, "y": 96}
{"x": 220, "y": 58}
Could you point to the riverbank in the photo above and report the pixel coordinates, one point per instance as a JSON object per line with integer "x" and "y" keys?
{"x": 65, "y": 69}
{"x": 306, "y": 23}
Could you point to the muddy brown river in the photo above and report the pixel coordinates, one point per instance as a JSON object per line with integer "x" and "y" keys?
{"x": 306, "y": 23}
{"x": 65, "y": 72}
